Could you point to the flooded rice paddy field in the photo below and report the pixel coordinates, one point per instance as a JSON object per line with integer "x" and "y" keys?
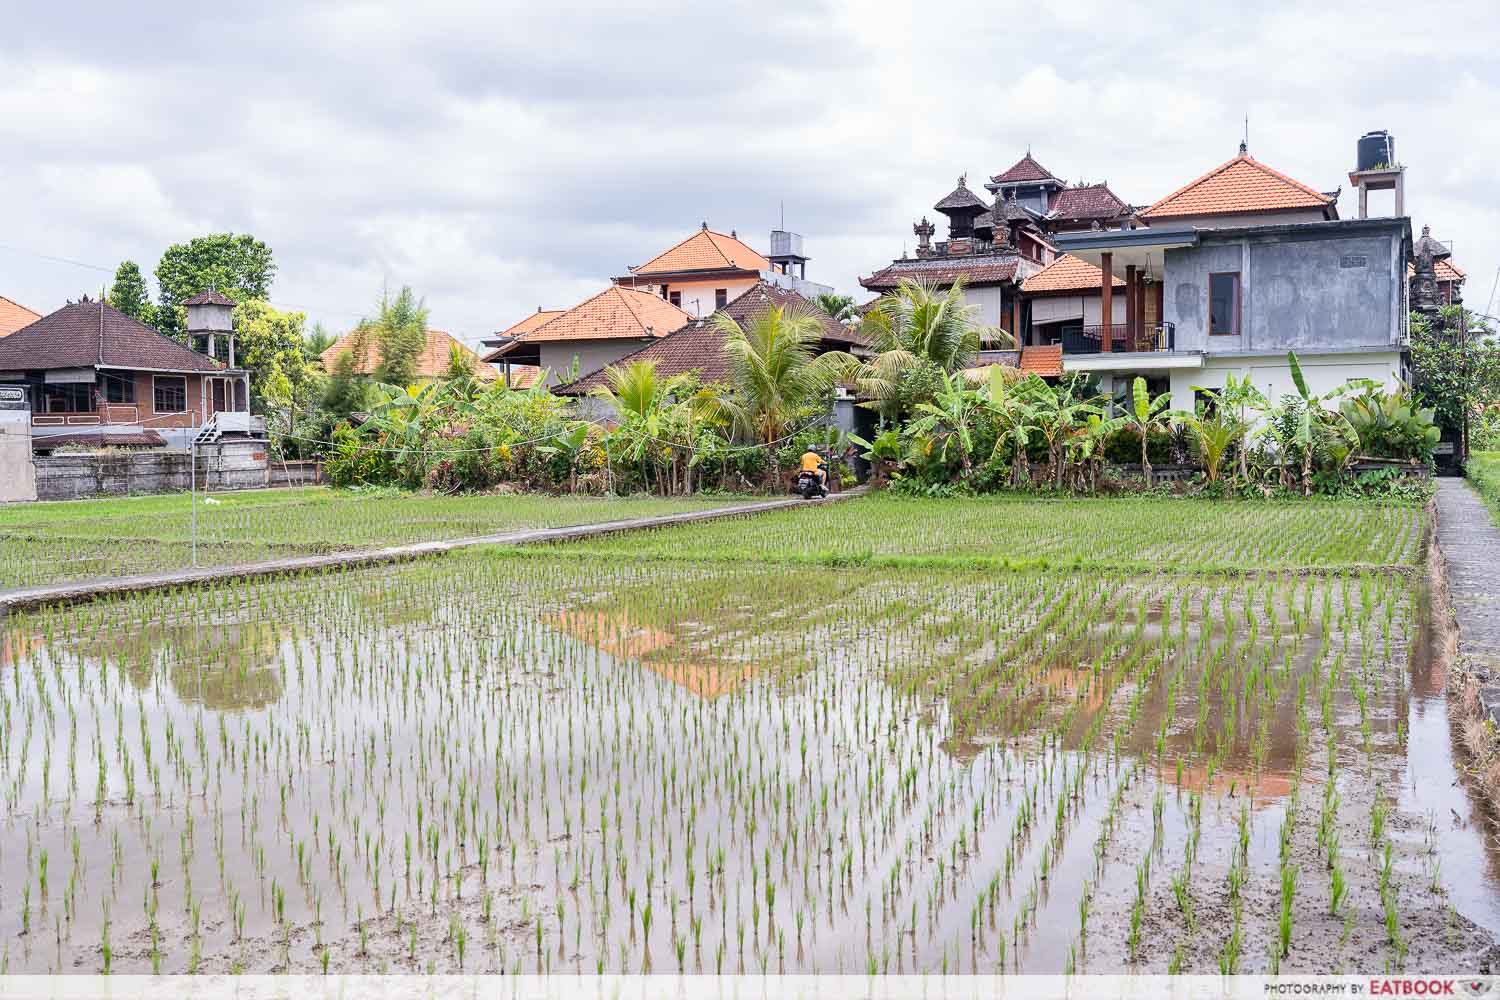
{"x": 1146, "y": 535}
{"x": 88, "y": 539}
{"x": 579, "y": 764}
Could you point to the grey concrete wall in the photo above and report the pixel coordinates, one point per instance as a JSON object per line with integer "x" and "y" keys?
{"x": 1185, "y": 294}
{"x": 592, "y": 355}
{"x": 225, "y": 465}
{"x": 1327, "y": 293}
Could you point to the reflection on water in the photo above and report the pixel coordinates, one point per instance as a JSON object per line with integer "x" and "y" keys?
{"x": 810, "y": 772}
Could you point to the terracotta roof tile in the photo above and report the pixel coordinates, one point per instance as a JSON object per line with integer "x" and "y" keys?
{"x": 431, "y": 363}
{"x": 89, "y": 334}
{"x": 13, "y": 316}
{"x": 705, "y": 250}
{"x": 1242, "y": 184}
{"x": 1067, "y": 274}
{"x": 1445, "y": 270}
{"x": 1043, "y": 361}
{"x": 699, "y": 346}
{"x": 976, "y": 271}
{"x": 615, "y": 313}
{"x": 1088, "y": 201}
{"x": 1024, "y": 169}
{"x": 531, "y": 322}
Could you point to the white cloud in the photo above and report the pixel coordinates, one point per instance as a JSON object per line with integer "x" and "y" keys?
{"x": 501, "y": 156}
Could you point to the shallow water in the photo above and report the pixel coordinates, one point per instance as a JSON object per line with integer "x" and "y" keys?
{"x": 929, "y": 771}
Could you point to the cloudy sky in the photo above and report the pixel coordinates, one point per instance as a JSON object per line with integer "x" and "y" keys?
{"x": 500, "y": 156}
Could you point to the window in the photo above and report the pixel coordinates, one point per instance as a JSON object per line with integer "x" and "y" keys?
{"x": 68, "y": 397}
{"x": 676, "y": 299}
{"x": 117, "y": 388}
{"x": 1224, "y": 303}
{"x": 721, "y": 297}
{"x": 171, "y": 394}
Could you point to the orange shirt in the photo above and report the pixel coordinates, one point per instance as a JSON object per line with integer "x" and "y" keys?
{"x": 811, "y": 461}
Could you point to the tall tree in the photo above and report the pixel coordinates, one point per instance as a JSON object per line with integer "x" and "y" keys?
{"x": 269, "y": 342}
{"x": 129, "y": 295}
{"x": 400, "y": 331}
{"x": 318, "y": 340}
{"x": 237, "y": 265}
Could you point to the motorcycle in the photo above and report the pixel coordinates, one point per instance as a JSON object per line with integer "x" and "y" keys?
{"x": 809, "y": 486}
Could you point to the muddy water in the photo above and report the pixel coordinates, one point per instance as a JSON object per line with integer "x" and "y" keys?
{"x": 523, "y": 766}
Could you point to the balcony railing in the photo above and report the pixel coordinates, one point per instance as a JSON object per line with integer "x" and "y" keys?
{"x": 1090, "y": 339}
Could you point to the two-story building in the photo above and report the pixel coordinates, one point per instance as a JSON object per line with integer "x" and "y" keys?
{"x": 1229, "y": 273}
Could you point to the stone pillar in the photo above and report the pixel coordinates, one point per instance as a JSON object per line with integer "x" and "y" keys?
{"x": 1106, "y": 302}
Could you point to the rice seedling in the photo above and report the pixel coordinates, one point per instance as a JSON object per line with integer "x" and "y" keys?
{"x": 614, "y": 762}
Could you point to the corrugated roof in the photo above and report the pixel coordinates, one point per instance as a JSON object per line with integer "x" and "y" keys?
{"x": 1067, "y": 274}
{"x": 705, "y": 250}
{"x": 208, "y": 298}
{"x": 431, "y": 363}
{"x": 88, "y": 334}
{"x": 1242, "y": 184}
{"x": 14, "y": 316}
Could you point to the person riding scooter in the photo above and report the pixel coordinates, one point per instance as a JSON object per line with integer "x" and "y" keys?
{"x": 814, "y": 465}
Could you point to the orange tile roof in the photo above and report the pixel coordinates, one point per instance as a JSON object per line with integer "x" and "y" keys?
{"x": 531, "y": 322}
{"x": 1067, "y": 274}
{"x": 431, "y": 363}
{"x": 1045, "y": 361}
{"x": 1242, "y": 184}
{"x": 1444, "y": 270}
{"x": 13, "y": 316}
{"x": 705, "y": 250}
{"x": 615, "y": 313}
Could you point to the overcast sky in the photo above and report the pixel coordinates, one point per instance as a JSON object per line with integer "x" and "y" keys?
{"x": 499, "y": 156}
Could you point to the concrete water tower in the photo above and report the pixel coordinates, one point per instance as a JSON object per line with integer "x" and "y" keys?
{"x": 1376, "y": 169}
{"x": 210, "y": 315}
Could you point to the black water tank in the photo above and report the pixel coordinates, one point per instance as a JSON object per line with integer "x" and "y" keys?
{"x": 1376, "y": 149}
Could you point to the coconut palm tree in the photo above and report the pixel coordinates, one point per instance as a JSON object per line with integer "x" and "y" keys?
{"x": 840, "y": 307}
{"x": 919, "y": 326}
{"x": 776, "y": 376}
{"x": 641, "y": 401}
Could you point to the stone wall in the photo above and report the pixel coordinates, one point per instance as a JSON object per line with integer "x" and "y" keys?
{"x": 223, "y": 465}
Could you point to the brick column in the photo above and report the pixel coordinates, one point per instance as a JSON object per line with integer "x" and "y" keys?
{"x": 1106, "y": 302}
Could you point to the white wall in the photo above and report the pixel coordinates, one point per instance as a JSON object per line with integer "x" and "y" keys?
{"x": 1273, "y": 376}
{"x": 698, "y": 296}
{"x": 989, "y": 300}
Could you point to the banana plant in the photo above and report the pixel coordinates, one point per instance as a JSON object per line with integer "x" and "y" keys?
{"x": 1145, "y": 415}
{"x": 1086, "y": 446}
{"x": 947, "y": 423}
{"x": 1009, "y": 402}
{"x": 571, "y": 444}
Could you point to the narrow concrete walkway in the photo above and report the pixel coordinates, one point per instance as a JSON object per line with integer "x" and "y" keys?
{"x": 82, "y": 591}
{"x": 1470, "y": 542}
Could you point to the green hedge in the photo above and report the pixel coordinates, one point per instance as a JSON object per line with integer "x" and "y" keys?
{"x": 1483, "y": 471}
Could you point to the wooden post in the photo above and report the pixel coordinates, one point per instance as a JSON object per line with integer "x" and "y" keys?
{"x": 1106, "y": 302}
{"x": 1161, "y": 317}
{"x": 1131, "y": 300}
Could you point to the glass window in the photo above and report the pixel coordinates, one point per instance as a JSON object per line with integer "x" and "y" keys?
{"x": 117, "y": 387}
{"x": 69, "y": 397}
{"x": 1224, "y": 303}
{"x": 171, "y": 394}
{"x": 676, "y": 299}
{"x": 721, "y": 297}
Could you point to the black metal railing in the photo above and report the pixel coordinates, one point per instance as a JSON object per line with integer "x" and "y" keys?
{"x": 1079, "y": 339}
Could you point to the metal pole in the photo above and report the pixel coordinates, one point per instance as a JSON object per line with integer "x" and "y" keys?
{"x": 193, "y": 481}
